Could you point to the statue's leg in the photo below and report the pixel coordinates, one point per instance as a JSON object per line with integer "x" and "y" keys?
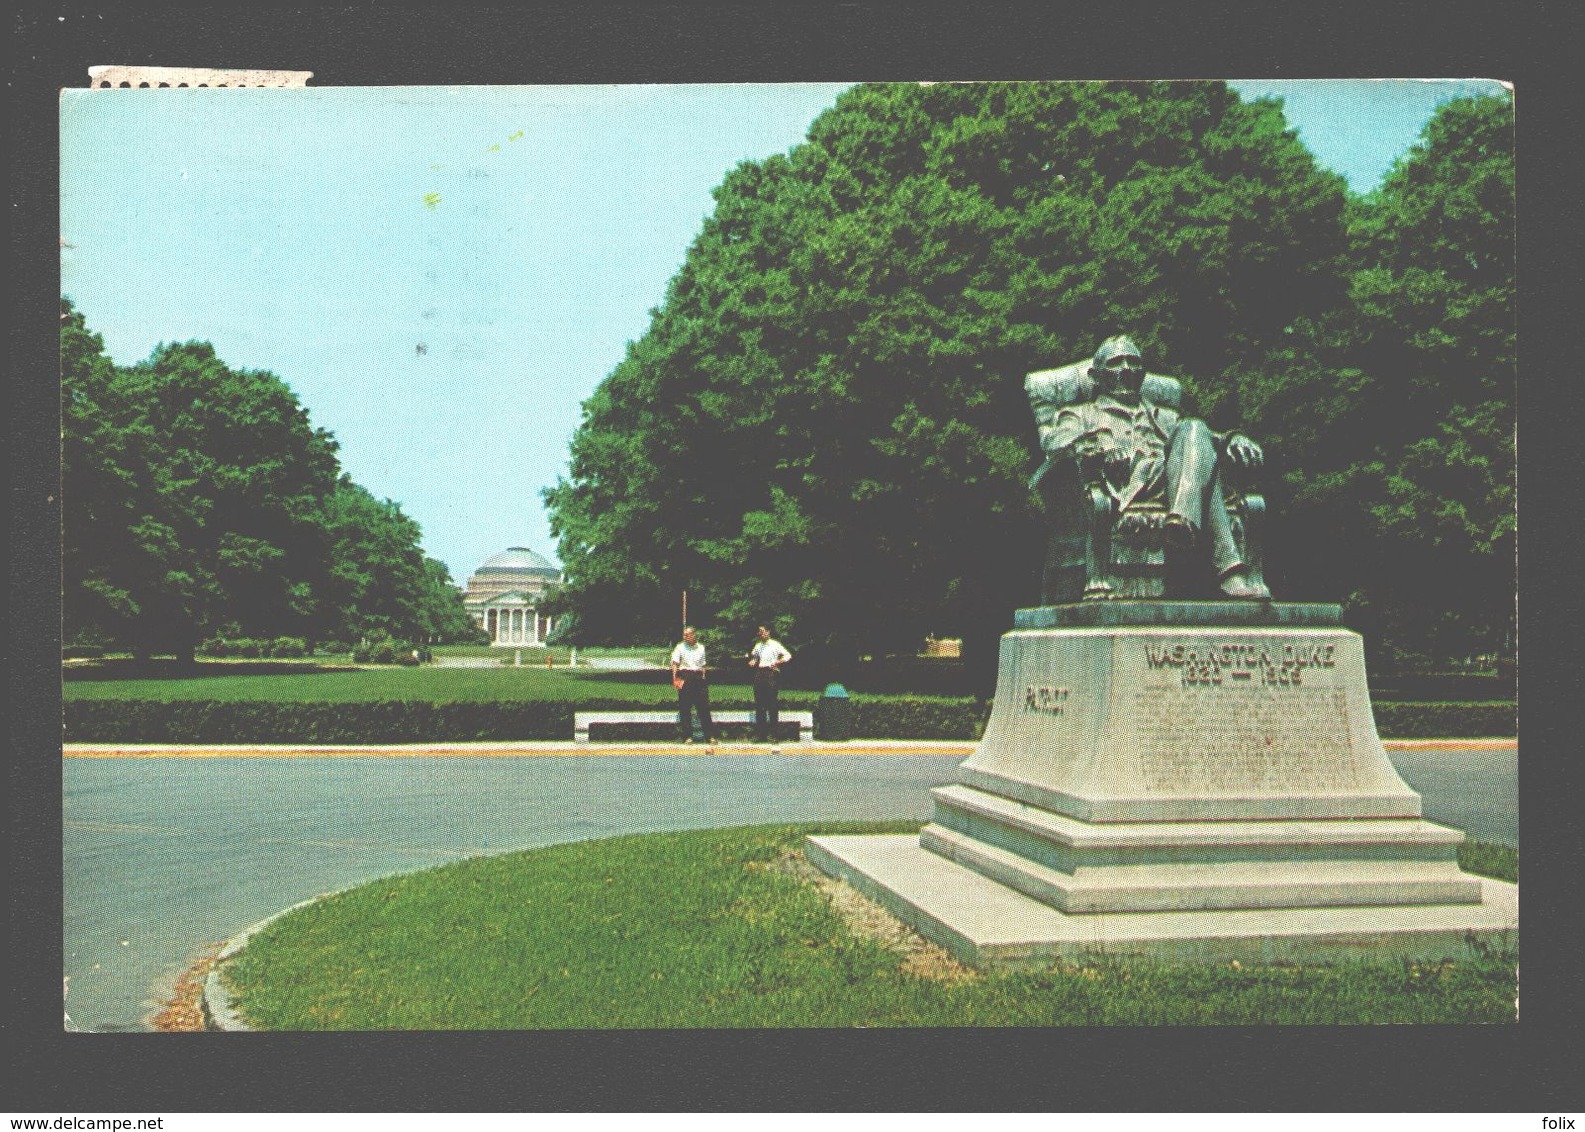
{"x": 1251, "y": 538}
{"x": 1051, "y": 572}
{"x": 1191, "y": 478}
{"x": 1235, "y": 576}
{"x": 1225, "y": 556}
{"x": 1196, "y": 508}
{"x": 1098, "y": 546}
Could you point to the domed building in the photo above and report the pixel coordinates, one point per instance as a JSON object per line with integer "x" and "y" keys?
{"x": 504, "y": 595}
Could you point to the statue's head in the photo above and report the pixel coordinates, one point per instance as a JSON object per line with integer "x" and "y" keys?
{"x": 1118, "y": 366}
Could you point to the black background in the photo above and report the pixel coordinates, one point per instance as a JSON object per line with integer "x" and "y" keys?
{"x": 1377, "y": 1069}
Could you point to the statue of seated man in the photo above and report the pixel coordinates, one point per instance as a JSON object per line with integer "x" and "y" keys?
{"x": 1123, "y": 432}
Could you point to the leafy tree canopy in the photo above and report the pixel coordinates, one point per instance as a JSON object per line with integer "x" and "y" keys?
{"x": 200, "y": 501}
{"x": 1400, "y": 418}
{"x": 380, "y": 580}
{"x": 825, "y": 422}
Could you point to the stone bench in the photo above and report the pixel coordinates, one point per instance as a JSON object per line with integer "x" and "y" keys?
{"x": 582, "y": 720}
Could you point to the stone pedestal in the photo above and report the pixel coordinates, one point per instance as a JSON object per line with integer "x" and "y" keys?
{"x": 1199, "y": 779}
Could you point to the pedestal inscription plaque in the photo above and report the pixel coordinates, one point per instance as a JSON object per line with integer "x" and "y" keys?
{"x": 1157, "y": 723}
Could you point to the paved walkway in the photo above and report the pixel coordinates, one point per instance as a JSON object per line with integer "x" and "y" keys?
{"x": 167, "y": 849}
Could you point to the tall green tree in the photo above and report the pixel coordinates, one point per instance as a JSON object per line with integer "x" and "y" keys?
{"x": 443, "y": 617}
{"x": 102, "y": 487}
{"x": 825, "y": 422}
{"x": 1402, "y": 437}
{"x": 380, "y": 580}
{"x": 193, "y": 498}
{"x": 199, "y": 500}
{"x": 377, "y": 572}
{"x": 232, "y": 536}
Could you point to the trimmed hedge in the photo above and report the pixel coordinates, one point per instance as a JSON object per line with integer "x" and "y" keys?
{"x": 1445, "y": 720}
{"x": 414, "y": 721}
{"x": 387, "y": 721}
{"x": 918, "y": 719}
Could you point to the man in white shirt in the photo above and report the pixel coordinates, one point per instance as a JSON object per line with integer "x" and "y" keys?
{"x": 693, "y": 693}
{"x": 766, "y": 658}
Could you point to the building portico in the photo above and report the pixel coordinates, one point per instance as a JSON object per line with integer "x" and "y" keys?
{"x": 513, "y": 620}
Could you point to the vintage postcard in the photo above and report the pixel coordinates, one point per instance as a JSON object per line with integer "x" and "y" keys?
{"x": 787, "y": 556}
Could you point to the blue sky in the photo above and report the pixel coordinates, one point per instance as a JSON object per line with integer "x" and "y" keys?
{"x": 443, "y": 275}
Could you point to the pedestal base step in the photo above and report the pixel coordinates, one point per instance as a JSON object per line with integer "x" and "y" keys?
{"x": 986, "y": 923}
{"x": 1204, "y": 887}
{"x": 1078, "y": 866}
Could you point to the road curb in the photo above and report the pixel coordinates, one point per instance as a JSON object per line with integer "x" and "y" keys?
{"x": 215, "y": 1001}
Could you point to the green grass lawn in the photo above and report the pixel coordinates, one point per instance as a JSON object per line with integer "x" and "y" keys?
{"x": 712, "y": 929}
{"x": 293, "y": 682}
{"x": 437, "y": 685}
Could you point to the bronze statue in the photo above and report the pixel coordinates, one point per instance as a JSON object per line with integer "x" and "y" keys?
{"x": 1146, "y": 502}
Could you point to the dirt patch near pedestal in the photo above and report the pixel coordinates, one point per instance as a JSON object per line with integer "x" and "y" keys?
{"x": 867, "y": 919}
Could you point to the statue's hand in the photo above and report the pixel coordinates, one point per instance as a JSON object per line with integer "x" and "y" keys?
{"x": 1090, "y": 457}
{"x": 1119, "y": 461}
{"x": 1094, "y": 453}
{"x": 1243, "y": 451}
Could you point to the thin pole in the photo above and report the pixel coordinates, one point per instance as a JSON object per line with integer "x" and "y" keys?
{"x": 684, "y": 609}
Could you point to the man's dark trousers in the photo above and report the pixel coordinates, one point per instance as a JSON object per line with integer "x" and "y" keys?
{"x": 767, "y": 708}
{"x": 694, "y": 696}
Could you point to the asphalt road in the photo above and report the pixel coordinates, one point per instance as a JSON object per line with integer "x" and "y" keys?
{"x": 166, "y": 855}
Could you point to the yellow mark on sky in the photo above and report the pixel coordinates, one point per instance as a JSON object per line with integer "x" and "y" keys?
{"x": 515, "y": 136}
{"x": 431, "y": 200}
{"x": 496, "y": 148}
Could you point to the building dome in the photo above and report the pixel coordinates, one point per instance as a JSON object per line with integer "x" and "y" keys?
{"x": 519, "y": 560}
